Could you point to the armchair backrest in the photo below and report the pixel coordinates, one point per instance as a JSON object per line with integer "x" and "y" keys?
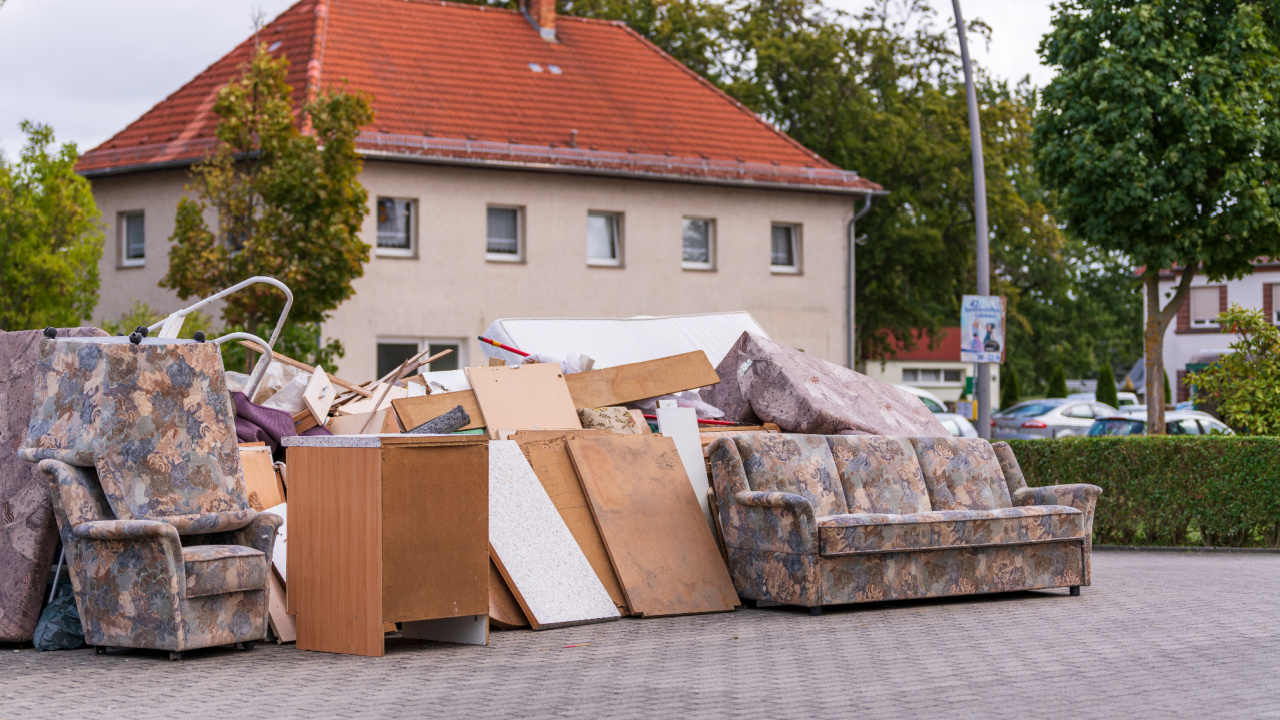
{"x": 800, "y": 464}
{"x": 961, "y": 474}
{"x": 880, "y": 474}
{"x": 155, "y": 419}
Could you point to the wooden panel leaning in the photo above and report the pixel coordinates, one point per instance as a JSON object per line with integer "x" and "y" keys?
{"x": 385, "y": 529}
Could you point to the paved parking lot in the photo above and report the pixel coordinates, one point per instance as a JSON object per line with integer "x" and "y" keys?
{"x": 1158, "y": 635}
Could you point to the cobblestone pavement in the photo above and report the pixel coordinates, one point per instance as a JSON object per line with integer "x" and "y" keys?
{"x": 1158, "y": 635}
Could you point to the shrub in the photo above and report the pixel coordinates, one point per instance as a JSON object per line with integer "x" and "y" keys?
{"x": 1107, "y": 387}
{"x": 1160, "y": 490}
{"x": 1057, "y": 383}
{"x": 1246, "y": 383}
{"x": 1009, "y": 392}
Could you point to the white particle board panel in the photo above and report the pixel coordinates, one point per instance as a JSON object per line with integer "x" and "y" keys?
{"x": 681, "y": 425}
{"x": 534, "y": 550}
{"x": 466, "y": 630}
{"x": 280, "y": 553}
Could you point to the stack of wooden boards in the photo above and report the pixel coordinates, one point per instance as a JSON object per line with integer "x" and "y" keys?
{"x": 264, "y": 486}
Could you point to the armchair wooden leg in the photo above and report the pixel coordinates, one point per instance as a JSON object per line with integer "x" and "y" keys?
{"x": 1075, "y": 591}
{"x": 100, "y": 649}
{"x": 815, "y": 611}
{"x": 247, "y": 645}
{"x": 175, "y": 656}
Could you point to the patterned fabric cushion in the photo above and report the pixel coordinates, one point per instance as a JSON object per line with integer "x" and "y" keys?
{"x": 879, "y": 474}
{"x": 217, "y": 569}
{"x": 1013, "y": 476}
{"x": 961, "y": 474}
{"x": 799, "y": 464}
{"x": 850, "y": 534}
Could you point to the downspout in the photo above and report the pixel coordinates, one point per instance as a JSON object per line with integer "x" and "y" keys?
{"x": 849, "y": 276}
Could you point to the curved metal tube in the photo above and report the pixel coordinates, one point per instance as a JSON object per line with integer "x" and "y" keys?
{"x": 259, "y": 369}
{"x": 170, "y": 326}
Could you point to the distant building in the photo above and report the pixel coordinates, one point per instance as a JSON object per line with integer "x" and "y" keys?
{"x": 937, "y": 370}
{"x": 520, "y": 165}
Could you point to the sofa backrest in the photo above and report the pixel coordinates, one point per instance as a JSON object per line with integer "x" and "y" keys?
{"x": 961, "y": 473}
{"x": 879, "y": 474}
{"x": 800, "y": 464}
{"x": 1013, "y": 476}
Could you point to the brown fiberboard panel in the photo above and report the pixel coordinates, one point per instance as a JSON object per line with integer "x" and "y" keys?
{"x": 284, "y": 624}
{"x": 504, "y": 609}
{"x": 416, "y": 410}
{"x": 622, "y": 384}
{"x": 261, "y": 483}
{"x": 549, "y": 457}
{"x": 525, "y": 397}
{"x": 435, "y": 531}
{"x": 652, "y": 525}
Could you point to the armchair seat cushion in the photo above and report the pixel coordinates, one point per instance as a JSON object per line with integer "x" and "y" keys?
{"x": 873, "y": 533}
{"x": 219, "y": 569}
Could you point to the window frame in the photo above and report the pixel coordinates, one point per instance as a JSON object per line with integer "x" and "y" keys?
{"x": 395, "y": 252}
{"x": 617, "y": 218}
{"x": 500, "y": 257}
{"x": 710, "y": 264}
{"x": 122, "y": 223}
{"x": 1211, "y": 322}
{"x": 422, "y": 343}
{"x": 797, "y": 249}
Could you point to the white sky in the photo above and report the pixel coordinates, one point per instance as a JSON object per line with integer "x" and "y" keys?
{"x": 89, "y": 67}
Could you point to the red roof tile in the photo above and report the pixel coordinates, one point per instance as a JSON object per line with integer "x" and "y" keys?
{"x": 948, "y": 349}
{"x": 477, "y": 84}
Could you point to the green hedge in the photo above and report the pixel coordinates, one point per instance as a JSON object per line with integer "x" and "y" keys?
{"x": 1210, "y": 491}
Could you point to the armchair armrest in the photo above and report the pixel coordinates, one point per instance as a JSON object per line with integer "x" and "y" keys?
{"x": 125, "y": 530}
{"x": 259, "y": 534}
{"x": 753, "y": 520}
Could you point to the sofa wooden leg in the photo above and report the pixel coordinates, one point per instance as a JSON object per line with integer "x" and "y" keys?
{"x": 815, "y": 611}
{"x": 175, "y": 656}
{"x": 100, "y": 649}
{"x": 247, "y": 645}
{"x": 1075, "y": 591}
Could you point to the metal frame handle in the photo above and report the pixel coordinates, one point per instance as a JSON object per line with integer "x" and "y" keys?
{"x": 260, "y": 369}
{"x": 172, "y": 325}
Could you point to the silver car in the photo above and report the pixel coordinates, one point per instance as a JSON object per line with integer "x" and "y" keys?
{"x": 1047, "y": 418}
{"x": 957, "y": 425}
{"x": 1177, "y": 422}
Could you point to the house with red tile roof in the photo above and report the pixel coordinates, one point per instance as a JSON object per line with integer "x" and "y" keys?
{"x": 519, "y": 164}
{"x": 929, "y": 366}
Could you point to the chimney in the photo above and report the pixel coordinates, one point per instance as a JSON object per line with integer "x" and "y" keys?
{"x": 542, "y": 13}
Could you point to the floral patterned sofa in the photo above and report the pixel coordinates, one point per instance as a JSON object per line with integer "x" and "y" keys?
{"x": 818, "y": 520}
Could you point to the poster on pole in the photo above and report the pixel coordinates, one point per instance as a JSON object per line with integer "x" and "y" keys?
{"x": 982, "y": 329}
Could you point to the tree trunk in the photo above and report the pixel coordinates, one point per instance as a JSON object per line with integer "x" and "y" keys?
{"x": 1158, "y": 320}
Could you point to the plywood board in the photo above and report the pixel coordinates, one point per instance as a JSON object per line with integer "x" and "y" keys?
{"x": 261, "y": 483}
{"x": 548, "y": 455}
{"x": 465, "y": 630}
{"x": 381, "y": 400}
{"x": 280, "y": 550}
{"x": 638, "y": 416}
{"x": 534, "y": 550}
{"x": 532, "y": 397}
{"x": 435, "y": 531}
{"x": 504, "y": 609}
{"x": 282, "y": 623}
{"x": 657, "y": 538}
{"x": 636, "y": 381}
{"x": 319, "y": 395}
{"x": 681, "y": 425}
{"x": 416, "y": 410}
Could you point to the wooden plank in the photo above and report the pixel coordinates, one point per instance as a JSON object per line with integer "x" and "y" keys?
{"x": 526, "y": 397}
{"x": 652, "y": 526}
{"x": 534, "y": 550}
{"x": 681, "y": 425}
{"x": 416, "y": 410}
{"x": 435, "y": 532}
{"x": 319, "y": 395}
{"x": 335, "y": 548}
{"x": 504, "y": 609}
{"x": 636, "y": 381}
{"x": 261, "y": 484}
{"x": 285, "y": 360}
{"x": 638, "y": 416}
{"x": 547, "y": 454}
{"x": 282, "y": 623}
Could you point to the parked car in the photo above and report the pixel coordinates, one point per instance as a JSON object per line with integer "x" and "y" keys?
{"x": 1177, "y": 422}
{"x": 931, "y": 401}
{"x": 1047, "y": 418}
{"x": 1123, "y": 399}
{"x": 957, "y": 425}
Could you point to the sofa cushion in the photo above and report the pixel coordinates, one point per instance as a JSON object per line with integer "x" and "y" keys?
{"x": 879, "y": 474}
{"x": 961, "y": 474}
{"x": 869, "y": 533}
{"x": 218, "y": 569}
{"x": 799, "y": 464}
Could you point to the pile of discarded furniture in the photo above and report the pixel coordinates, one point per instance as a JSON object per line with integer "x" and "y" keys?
{"x": 701, "y": 468}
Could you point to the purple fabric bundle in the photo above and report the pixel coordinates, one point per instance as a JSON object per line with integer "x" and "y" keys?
{"x": 255, "y": 423}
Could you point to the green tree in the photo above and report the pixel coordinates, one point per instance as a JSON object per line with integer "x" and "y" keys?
{"x": 1167, "y": 392}
{"x": 1057, "y": 383}
{"x": 1159, "y": 135}
{"x": 1107, "y": 386}
{"x": 1246, "y": 382}
{"x": 1009, "y": 393}
{"x": 288, "y": 205}
{"x": 50, "y": 237}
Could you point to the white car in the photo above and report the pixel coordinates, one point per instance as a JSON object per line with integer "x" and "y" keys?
{"x": 1123, "y": 399}
{"x": 931, "y": 401}
{"x": 957, "y": 425}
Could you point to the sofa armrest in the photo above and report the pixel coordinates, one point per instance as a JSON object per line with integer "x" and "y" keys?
{"x": 1080, "y": 496}
{"x": 751, "y": 520}
{"x": 125, "y": 530}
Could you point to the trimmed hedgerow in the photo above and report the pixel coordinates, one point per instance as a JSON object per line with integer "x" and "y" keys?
{"x": 1211, "y": 491}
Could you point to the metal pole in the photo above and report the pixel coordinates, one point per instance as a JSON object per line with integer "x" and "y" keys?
{"x": 982, "y": 384}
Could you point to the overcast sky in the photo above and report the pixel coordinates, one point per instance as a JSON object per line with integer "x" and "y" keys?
{"x": 89, "y": 67}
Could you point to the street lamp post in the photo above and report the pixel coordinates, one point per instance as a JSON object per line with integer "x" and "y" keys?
{"x": 982, "y": 384}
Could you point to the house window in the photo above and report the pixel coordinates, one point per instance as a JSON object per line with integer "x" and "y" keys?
{"x": 503, "y": 244}
{"x": 951, "y": 376}
{"x": 133, "y": 239}
{"x": 931, "y": 376}
{"x": 1275, "y": 306}
{"x": 785, "y": 249}
{"x": 395, "y": 227}
{"x": 699, "y": 243}
{"x": 1204, "y": 307}
{"x": 604, "y": 245}
{"x": 392, "y": 353}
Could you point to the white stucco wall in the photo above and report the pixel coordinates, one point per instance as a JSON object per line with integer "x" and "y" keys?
{"x": 1181, "y": 347}
{"x": 890, "y": 371}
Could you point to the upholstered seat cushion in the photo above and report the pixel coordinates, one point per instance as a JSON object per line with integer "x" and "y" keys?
{"x": 799, "y": 464}
{"x": 961, "y": 473}
{"x": 879, "y": 474}
{"x": 870, "y": 533}
{"x": 218, "y": 569}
